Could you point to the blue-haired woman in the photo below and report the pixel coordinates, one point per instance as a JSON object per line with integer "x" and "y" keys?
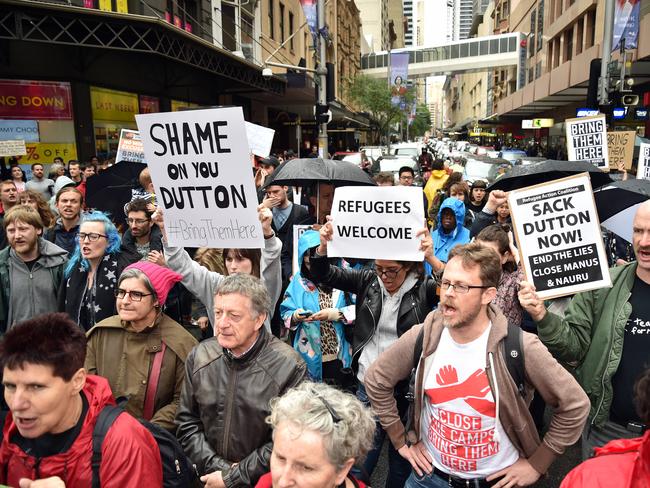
{"x": 89, "y": 280}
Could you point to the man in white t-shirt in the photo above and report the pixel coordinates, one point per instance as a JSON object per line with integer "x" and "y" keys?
{"x": 471, "y": 425}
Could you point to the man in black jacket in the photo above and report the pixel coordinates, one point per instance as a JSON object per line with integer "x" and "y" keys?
{"x": 229, "y": 381}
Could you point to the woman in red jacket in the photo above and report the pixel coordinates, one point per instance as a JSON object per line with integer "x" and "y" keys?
{"x": 319, "y": 432}
{"x": 623, "y": 463}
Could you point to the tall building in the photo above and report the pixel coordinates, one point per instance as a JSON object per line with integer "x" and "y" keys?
{"x": 374, "y": 27}
{"x": 463, "y": 10}
{"x": 398, "y": 21}
{"x": 409, "y": 34}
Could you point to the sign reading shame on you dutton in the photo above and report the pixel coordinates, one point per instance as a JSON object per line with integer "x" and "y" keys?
{"x": 559, "y": 237}
{"x": 199, "y": 165}
{"x": 377, "y": 223}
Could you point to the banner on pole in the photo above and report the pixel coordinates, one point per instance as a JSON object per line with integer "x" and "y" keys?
{"x": 377, "y": 223}
{"x": 586, "y": 140}
{"x": 558, "y": 233}
{"x": 310, "y": 9}
{"x": 130, "y": 147}
{"x": 399, "y": 72}
{"x": 626, "y": 24}
{"x": 198, "y": 163}
{"x": 643, "y": 165}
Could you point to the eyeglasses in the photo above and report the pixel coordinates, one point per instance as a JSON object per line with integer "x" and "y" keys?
{"x": 92, "y": 236}
{"x": 135, "y": 296}
{"x": 389, "y": 273}
{"x": 406, "y": 178}
{"x": 459, "y": 288}
{"x": 137, "y": 221}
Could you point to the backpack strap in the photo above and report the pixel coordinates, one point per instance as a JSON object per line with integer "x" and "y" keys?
{"x": 152, "y": 386}
{"x": 104, "y": 422}
{"x": 410, "y": 396}
{"x": 513, "y": 351}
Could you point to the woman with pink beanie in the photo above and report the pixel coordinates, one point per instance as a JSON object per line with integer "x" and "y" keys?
{"x": 141, "y": 351}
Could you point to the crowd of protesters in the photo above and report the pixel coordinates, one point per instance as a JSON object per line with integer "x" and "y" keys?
{"x": 257, "y": 373}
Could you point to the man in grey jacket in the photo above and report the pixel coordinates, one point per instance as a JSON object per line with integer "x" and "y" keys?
{"x": 30, "y": 269}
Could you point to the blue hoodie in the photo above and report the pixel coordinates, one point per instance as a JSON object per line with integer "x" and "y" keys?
{"x": 302, "y": 294}
{"x": 443, "y": 242}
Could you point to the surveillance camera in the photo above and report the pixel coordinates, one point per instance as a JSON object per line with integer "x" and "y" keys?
{"x": 267, "y": 73}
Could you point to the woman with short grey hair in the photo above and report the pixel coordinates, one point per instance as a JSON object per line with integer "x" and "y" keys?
{"x": 319, "y": 433}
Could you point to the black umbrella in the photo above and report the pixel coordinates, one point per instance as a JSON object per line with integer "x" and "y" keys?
{"x": 617, "y": 204}
{"x": 307, "y": 171}
{"x": 110, "y": 189}
{"x": 544, "y": 171}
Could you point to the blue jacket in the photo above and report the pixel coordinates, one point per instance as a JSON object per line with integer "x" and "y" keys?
{"x": 302, "y": 294}
{"x": 442, "y": 242}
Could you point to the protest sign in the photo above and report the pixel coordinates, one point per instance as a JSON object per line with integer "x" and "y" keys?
{"x": 620, "y": 147}
{"x": 377, "y": 223}
{"x": 298, "y": 230}
{"x": 558, "y": 233}
{"x": 643, "y": 166}
{"x": 586, "y": 140}
{"x": 199, "y": 166}
{"x": 260, "y": 139}
{"x": 13, "y": 148}
{"x": 130, "y": 147}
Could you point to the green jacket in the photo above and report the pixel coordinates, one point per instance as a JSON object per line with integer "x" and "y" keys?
{"x": 591, "y": 334}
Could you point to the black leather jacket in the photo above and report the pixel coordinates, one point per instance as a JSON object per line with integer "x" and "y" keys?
{"x": 225, "y": 401}
{"x": 415, "y": 305}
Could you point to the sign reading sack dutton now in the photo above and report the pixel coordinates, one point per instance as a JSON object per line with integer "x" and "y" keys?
{"x": 38, "y": 100}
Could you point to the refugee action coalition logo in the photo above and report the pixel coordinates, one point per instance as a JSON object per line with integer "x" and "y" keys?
{"x": 462, "y": 439}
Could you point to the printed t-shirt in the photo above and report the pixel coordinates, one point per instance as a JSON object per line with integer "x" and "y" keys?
{"x": 635, "y": 357}
{"x": 459, "y": 415}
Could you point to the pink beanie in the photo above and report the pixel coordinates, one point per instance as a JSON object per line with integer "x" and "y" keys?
{"x": 161, "y": 278}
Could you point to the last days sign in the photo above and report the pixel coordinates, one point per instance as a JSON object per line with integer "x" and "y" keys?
{"x": 559, "y": 237}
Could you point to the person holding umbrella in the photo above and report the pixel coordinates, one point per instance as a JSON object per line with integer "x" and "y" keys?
{"x": 607, "y": 332}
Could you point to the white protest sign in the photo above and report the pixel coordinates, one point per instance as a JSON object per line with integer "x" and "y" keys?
{"x": 130, "y": 147}
{"x": 643, "y": 165}
{"x": 557, "y": 228}
{"x": 199, "y": 166}
{"x": 586, "y": 140}
{"x": 260, "y": 139}
{"x": 13, "y": 148}
{"x": 298, "y": 231}
{"x": 377, "y": 223}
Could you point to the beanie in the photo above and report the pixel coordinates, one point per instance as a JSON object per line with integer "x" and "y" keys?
{"x": 161, "y": 278}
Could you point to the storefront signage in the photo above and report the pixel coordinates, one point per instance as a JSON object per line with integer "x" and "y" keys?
{"x": 46, "y": 152}
{"x": 587, "y": 140}
{"x": 149, "y": 105}
{"x": 537, "y": 123}
{"x": 377, "y": 223}
{"x": 643, "y": 166}
{"x": 196, "y": 159}
{"x": 12, "y": 148}
{"x": 178, "y": 105}
{"x": 38, "y": 100}
{"x": 640, "y": 113}
{"x": 586, "y": 112}
{"x": 620, "y": 146}
{"x": 558, "y": 232}
{"x": 113, "y": 105}
{"x": 26, "y": 130}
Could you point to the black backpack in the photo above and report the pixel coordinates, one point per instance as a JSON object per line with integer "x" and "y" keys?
{"x": 513, "y": 352}
{"x": 178, "y": 471}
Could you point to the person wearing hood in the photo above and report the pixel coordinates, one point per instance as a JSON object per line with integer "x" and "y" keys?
{"x": 449, "y": 230}
{"x": 436, "y": 181}
{"x": 149, "y": 347}
{"x": 30, "y": 269}
{"x": 391, "y": 298}
{"x": 318, "y": 316}
{"x": 69, "y": 202}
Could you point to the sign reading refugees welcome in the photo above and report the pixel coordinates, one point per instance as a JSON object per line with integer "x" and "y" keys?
{"x": 559, "y": 237}
{"x": 587, "y": 140}
{"x": 377, "y": 223}
{"x": 198, "y": 165}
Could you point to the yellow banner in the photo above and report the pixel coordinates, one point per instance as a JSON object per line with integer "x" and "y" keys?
{"x": 106, "y": 5}
{"x": 113, "y": 105}
{"x": 45, "y": 152}
{"x": 122, "y": 6}
{"x": 178, "y": 105}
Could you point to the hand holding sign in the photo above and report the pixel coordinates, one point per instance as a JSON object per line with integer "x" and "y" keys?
{"x": 326, "y": 233}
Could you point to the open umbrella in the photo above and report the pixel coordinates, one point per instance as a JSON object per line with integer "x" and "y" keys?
{"x": 617, "y": 204}
{"x": 307, "y": 171}
{"x": 110, "y": 189}
{"x": 543, "y": 171}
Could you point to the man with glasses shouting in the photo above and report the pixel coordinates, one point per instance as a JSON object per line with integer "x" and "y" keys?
{"x": 391, "y": 298}
{"x": 471, "y": 424}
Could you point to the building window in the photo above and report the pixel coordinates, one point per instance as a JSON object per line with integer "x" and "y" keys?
{"x": 531, "y": 36}
{"x": 568, "y": 44}
{"x": 591, "y": 29}
{"x": 271, "y": 20}
{"x": 228, "y": 26}
{"x": 538, "y": 70}
{"x": 291, "y": 27}
{"x": 282, "y": 36}
{"x": 579, "y": 36}
{"x": 540, "y": 24}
